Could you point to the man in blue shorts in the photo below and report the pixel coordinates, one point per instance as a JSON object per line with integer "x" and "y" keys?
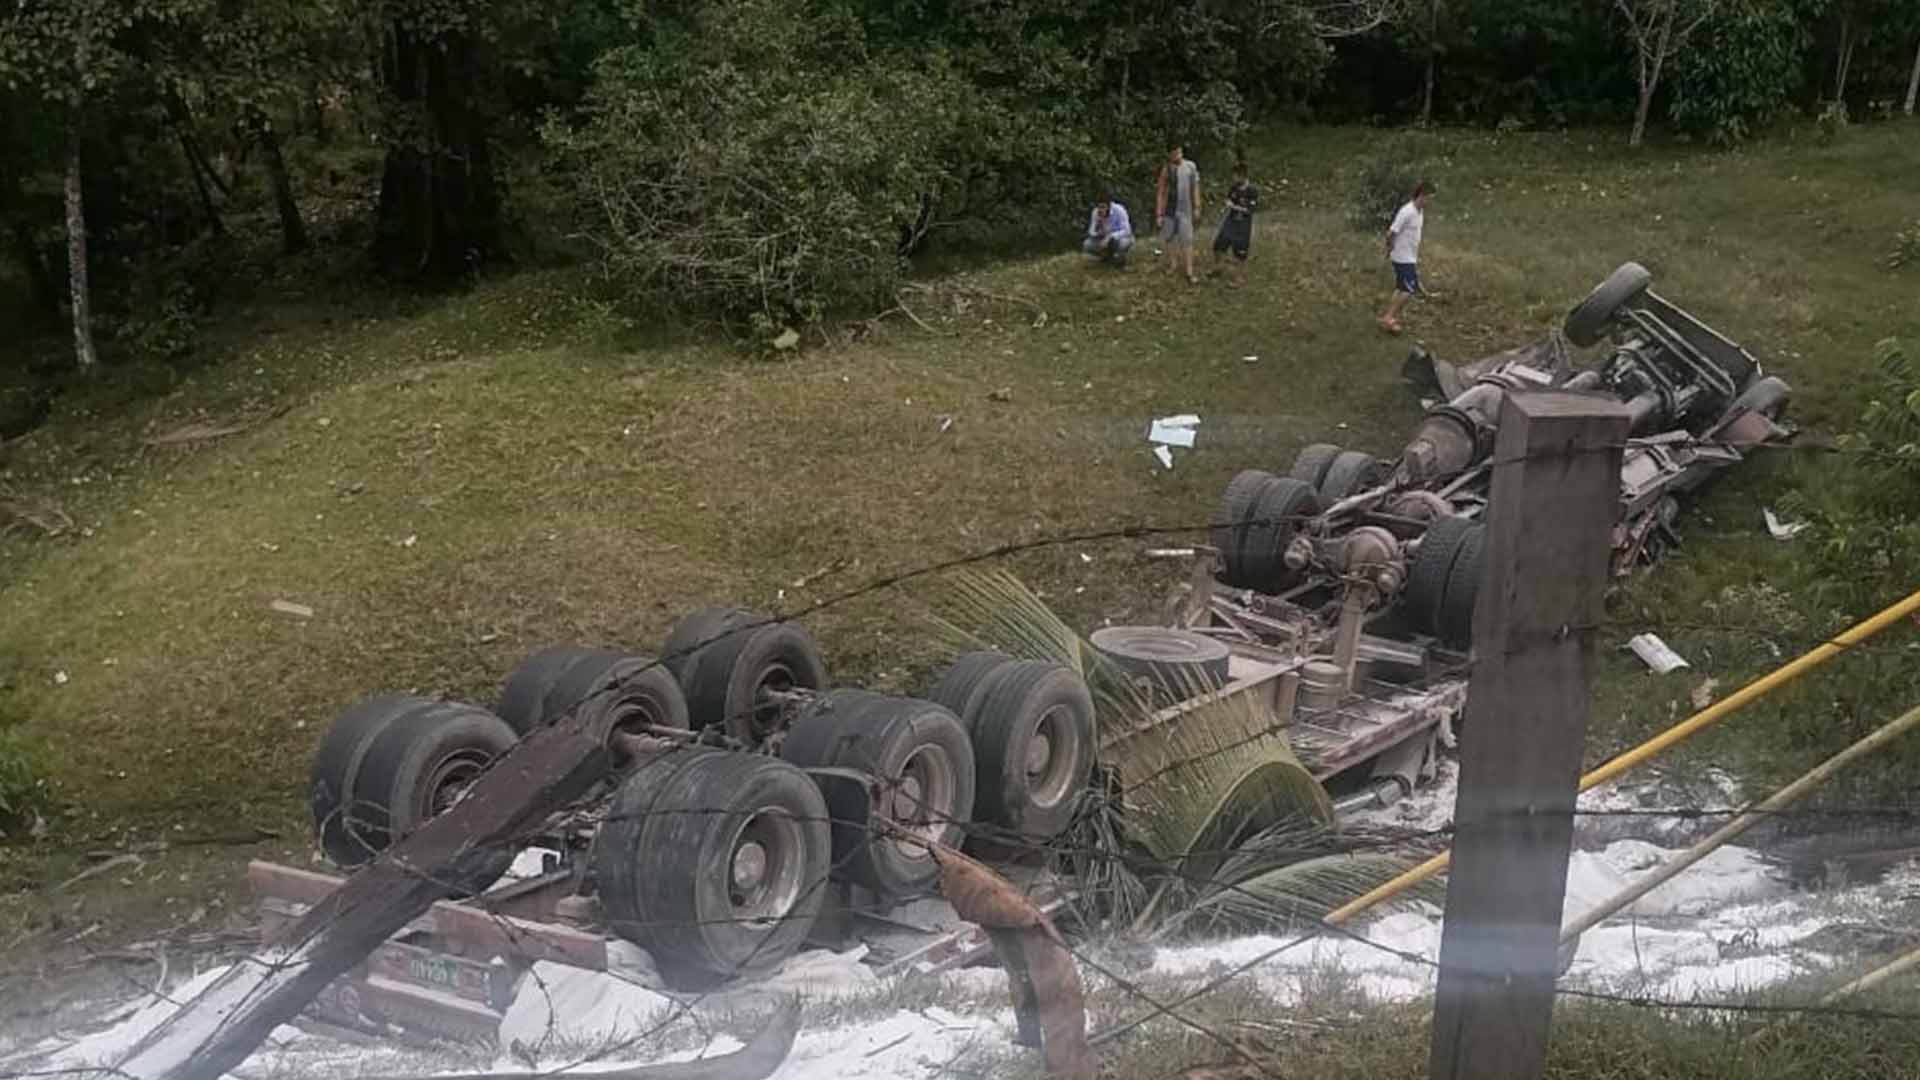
{"x": 1403, "y": 250}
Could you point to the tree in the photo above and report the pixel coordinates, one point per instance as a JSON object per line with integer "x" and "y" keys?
{"x": 1913, "y": 82}
{"x": 1658, "y": 28}
{"x": 1731, "y": 83}
{"x": 62, "y": 55}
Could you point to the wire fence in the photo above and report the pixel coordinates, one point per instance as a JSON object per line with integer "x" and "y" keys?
{"x": 287, "y": 958}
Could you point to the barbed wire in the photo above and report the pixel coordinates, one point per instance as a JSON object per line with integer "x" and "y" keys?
{"x": 901, "y": 577}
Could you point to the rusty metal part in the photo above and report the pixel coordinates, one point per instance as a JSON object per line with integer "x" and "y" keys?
{"x": 1048, "y": 1001}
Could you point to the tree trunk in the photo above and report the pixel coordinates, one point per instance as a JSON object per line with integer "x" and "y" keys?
{"x": 77, "y": 257}
{"x": 1913, "y": 83}
{"x": 439, "y": 211}
{"x": 46, "y": 294}
{"x": 1433, "y": 51}
{"x": 1845, "y": 58}
{"x": 293, "y": 232}
{"x": 1650, "y": 78}
{"x": 205, "y": 179}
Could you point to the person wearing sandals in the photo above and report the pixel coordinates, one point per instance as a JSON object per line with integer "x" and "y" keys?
{"x": 1176, "y": 204}
{"x": 1403, "y": 251}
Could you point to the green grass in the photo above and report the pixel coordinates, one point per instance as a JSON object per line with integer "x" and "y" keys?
{"x": 456, "y": 483}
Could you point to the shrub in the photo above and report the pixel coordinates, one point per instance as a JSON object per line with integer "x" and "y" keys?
{"x": 1387, "y": 179}
{"x": 22, "y": 793}
{"x": 1728, "y": 85}
{"x": 1906, "y": 247}
{"x": 753, "y": 189}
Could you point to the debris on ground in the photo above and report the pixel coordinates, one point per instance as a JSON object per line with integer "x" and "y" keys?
{"x": 1702, "y": 695}
{"x": 1784, "y": 530}
{"x": 1174, "y": 430}
{"x": 1656, "y": 654}
{"x": 288, "y": 607}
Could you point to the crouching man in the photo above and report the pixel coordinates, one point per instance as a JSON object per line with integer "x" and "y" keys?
{"x": 1109, "y": 232}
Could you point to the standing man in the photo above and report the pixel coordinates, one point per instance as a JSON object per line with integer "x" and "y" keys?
{"x": 1109, "y": 232}
{"x": 1176, "y": 203}
{"x": 1403, "y": 250}
{"x": 1236, "y": 229}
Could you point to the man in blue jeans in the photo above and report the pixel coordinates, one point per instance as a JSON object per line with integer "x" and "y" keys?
{"x": 1109, "y": 232}
{"x": 1403, "y": 250}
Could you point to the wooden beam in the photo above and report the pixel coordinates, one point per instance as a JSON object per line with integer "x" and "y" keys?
{"x": 1556, "y": 491}
{"x": 216, "y": 1030}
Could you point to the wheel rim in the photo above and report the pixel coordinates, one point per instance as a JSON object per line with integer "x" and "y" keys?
{"x": 777, "y": 678}
{"x": 448, "y": 780}
{"x": 922, "y": 800}
{"x": 1050, "y": 753}
{"x": 763, "y": 867}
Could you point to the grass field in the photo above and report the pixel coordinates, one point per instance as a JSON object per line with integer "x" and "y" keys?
{"x": 451, "y": 484}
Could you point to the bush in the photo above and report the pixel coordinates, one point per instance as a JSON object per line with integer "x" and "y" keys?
{"x": 1906, "y": 247}
{"x": 22, "y": 792}
{"x": 1386, "y": 180}
{"x": 1728, "y": 84}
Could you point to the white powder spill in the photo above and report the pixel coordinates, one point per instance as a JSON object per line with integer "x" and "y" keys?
{"x": 1726, "y": 926}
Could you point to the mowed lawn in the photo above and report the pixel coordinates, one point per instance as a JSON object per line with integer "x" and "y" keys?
{"x": 455, "y": 483}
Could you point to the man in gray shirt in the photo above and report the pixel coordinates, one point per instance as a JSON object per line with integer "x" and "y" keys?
{"x": 1176, "y": 203}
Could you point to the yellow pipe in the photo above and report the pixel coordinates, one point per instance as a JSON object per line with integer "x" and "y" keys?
{"x": 1674, "y": 735}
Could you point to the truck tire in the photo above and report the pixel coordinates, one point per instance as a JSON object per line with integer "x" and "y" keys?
{"x": 1034, "y": 746}
{"x": 1351, "y": 473}
{"x": 1462, "y": 594}
{"x": 415, "y": 770}
{"x": 1176, "y": 664}
{"x": 695, "y": 631}
{"x": 1587, "y": 323}
{"x": 924, "y": 762}
{"x": 726, "y": 686}
{"x": 714, "y": 862}
{"x": 547, "y": 685}
{"x": 1230, "y": 516}
{"x": 337, "y": 762}
{"x": 965, "y": 684}
{"x": 1432, "y": 565}
{"x": 1311, "y": 463}
{"x": 1277, "y": 514}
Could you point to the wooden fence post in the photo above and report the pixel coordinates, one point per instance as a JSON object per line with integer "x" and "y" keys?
{"x": 1556, "y": 494}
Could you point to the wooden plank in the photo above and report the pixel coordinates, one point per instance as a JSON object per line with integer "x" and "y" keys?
{"x": 469, "y": 930}
{"x": 1554, "y": 498}
{"x": 519, "y": 939}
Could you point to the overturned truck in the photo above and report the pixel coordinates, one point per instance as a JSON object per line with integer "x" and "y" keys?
{"x": 724, "y": 806}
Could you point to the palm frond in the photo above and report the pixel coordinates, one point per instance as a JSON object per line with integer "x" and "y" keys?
{"x": 1297, "y": 892}
{"x": 1227, "y": 822}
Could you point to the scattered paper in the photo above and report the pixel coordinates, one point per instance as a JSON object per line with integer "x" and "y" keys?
{"x": 1165, "y": 455}
{"x": 1784, "y": 530}
{"x": 946, "y": 424}
{"x": 288, "y": 607}
{"x": 1655, "y": 653}
{"x": 1166, "y": 433}
{"x": 60, "y": 677}
{"x": 789, "y": 338}
{"x": 1170, "y": 553}
{"x": 1250, "y": 358}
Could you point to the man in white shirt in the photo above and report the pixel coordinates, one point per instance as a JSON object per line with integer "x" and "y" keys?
{"x": 1403, "y": 251}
